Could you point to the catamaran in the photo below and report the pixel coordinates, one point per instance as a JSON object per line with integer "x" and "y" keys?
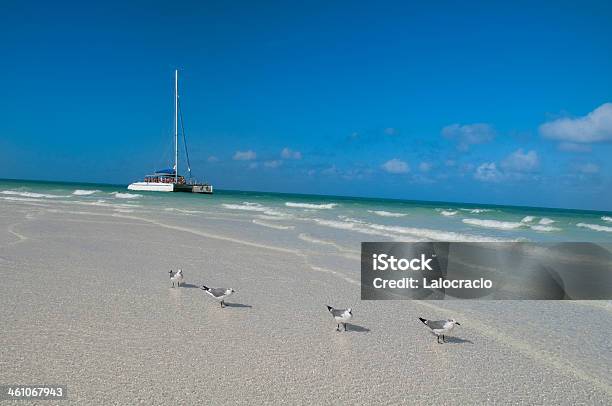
{"x": 169, "y": 180}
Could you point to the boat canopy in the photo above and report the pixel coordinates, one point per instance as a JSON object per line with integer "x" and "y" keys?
{"x": 165, "y": 172}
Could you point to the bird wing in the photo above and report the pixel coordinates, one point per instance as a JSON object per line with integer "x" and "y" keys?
{"x": 217, "y": 292}
{"x": 436, "y": 325}
{"x": 337, "y": 312}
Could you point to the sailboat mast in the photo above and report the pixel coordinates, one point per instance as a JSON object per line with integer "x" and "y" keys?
{"x": 176, "y": 126}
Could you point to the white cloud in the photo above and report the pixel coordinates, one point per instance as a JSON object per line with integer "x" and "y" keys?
{"x": 396, "y": 166}
{"x": 332, "y": 170}
{"x": 213, "y": 159}
{"x": 594, "y": 127}
{"x": 273, "y": 164}
{"x": 488, "y": 172}
{"x": 520, "y": 161}
{"x": 245, "y": 155}
{"x": 469, "y": 134}
{"x": 425, "y": 166}
{"x": 573, "y": 147}
{"x": 588, "y": 168}
{"x": 287, "y": 153}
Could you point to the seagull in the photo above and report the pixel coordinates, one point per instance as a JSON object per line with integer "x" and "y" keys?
{"x": 342, "y": 316}
{"x": 179, "y": 277}
{"x": 440, "y": 327}
{"x": 176, "y": 277}
{"x": 218, "y": 293}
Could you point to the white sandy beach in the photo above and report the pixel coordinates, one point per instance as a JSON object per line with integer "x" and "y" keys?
{"x": 86, "y": 302}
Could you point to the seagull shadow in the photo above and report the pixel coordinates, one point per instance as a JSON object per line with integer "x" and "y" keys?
{"x": 237, "y": 305}
{"x": 188, "y": 285}
{"x": 356, "y": 328}
{"x": 457, "y": 340}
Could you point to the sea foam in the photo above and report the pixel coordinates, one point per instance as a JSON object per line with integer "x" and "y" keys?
{"x": 183, "y": 211}
{"x": 398, "y": 233}
{"x": 595, "y": 227}
{"x": 545, "y": 221}
{"x": 499, "y": 225}
{"x": 120, "y": 195}
{"x": 311, "y": 205}
{"x": 527, "y": 219}
{"x": 383, "y": 213}
{"x": 436, "y": 235}
{"x": 254, "y": 207}
{"x": 29, "y": 194}
{"x": 545, "y": 228}
{"x": 351, "y": 219}
{"x": 476, "y": 211}
{"x": 274, "y": 226}
{"x": 83, "y": 192}
{"x": 606, "y": 218}
{"x": 343, "y": 225}
{"x": 448, "y": 212}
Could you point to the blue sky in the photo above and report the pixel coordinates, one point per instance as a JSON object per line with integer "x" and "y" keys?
{"x": 477, "y": 102}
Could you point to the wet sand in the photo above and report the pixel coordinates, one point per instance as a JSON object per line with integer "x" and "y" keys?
{"x": 85, "y": 301}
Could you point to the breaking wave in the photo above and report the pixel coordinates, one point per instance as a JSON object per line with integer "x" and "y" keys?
{"x": 476, "y": 211}
{"x": 104, "y": 203}
{"x": 311, "y": 205}
{"x": 435, "y": 235}
{"x": 274, "y": 226}
{"x": 606, "y": 218}
{"x": 448, "y": 212}
{"x": 527, "y": 219}
{"x": 595, "y": 227}
{"x": 183, "y": 211}
{"x": 545, "y": 228}
{"x": 343, "y": 225}
{"x": 398, "y": 233}
{"x": 545, "y": 221}
{"x": 254, "y": 207}
{"x": 29, "y": 194}
{"x": 120, "y": 195}
{"x": 246, "y": 206}
{"x": 499, "y": 225}
{"x": 351, "y": 219}
{"x": 383, "y": 213}
{"x": 83, "y": 192}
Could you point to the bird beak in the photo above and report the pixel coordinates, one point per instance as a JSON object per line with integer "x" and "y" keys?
{"x": 457, "y": 323}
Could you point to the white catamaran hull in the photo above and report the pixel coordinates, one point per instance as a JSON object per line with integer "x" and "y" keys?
{"x": 152, "y": 186}
{"x": 171, "y": 187}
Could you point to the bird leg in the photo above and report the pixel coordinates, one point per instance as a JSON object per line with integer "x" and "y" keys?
{"x": 222, "y": 304}
{"x": 338, "y": 327}
{"x": 439, "y": 340}
{"x": 444, "y": 339}
{"x": 344, "y": 326}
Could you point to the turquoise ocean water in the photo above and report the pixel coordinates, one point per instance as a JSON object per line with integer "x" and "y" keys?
{"x": 336, "y": 219}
